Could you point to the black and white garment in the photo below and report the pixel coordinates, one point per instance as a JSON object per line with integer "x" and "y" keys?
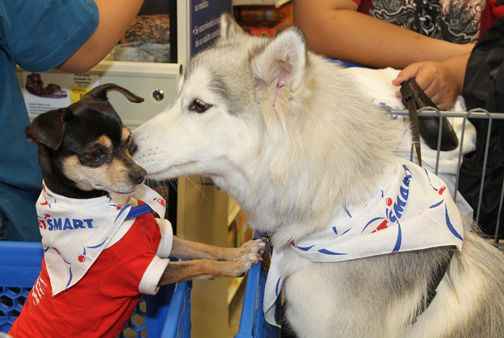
{"x": 451, "y": 20}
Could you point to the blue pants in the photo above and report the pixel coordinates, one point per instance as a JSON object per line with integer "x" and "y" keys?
{"x": 3, "y": 232}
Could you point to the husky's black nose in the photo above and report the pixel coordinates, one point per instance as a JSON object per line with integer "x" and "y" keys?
{"x": 137, "y": 176}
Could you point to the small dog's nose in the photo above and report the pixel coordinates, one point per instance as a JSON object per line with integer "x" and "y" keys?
{"x": 137, "y": 176}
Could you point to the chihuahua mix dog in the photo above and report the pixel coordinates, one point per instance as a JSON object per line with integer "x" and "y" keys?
{"x": 101, "y": 253}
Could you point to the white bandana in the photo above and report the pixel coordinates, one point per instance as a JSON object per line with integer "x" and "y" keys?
{"x": 412, "y": 211}
{"x": 76, "y": 231}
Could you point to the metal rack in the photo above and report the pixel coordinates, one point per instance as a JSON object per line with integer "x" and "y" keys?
{"x": 476, "y": 114}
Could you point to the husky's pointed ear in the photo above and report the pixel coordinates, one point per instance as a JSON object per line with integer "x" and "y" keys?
{"x": 283, "y": 60}
{"x": 229, "y": 29}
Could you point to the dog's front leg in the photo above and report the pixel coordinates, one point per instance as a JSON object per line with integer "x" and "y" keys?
{"x": 192, "y": 250}
{"x": 205, "y": 268}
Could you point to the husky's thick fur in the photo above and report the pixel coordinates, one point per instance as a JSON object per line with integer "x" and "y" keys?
{"x": 290, "y": 137}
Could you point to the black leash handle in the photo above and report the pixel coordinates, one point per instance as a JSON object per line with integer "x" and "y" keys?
{"x": 428, "y": 127}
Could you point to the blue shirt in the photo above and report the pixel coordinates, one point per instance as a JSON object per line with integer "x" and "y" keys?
{"x": 37, "y": 35}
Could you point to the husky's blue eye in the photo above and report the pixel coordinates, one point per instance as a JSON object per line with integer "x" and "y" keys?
{"x": 199, "y": 106}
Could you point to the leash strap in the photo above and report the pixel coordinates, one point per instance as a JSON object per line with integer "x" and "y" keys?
{"x": 438, "y": 276}
{"x": 410, "y": 92}
{"x": 433, "y": 284}
{"x": 409, "y": 101}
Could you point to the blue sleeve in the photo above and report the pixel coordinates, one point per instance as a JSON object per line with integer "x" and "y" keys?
{"x": 42, "y": 34}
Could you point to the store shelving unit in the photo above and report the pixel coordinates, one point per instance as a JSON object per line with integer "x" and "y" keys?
{"x": 209, "y": 215}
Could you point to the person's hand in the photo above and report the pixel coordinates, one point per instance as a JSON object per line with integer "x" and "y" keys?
{"x": 436, "y": 79}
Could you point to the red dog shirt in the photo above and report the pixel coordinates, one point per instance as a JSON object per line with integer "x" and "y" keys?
{"x": 99, "y": 301}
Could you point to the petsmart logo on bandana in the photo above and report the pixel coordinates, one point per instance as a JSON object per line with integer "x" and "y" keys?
{"x": 393, "y": 210}
{"x": 413, "y": 211}
{"x": 397, "y": 211}
{"x": 62, "y": 224}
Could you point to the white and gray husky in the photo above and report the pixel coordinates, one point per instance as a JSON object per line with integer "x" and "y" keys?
{"x": 290, "y": 136}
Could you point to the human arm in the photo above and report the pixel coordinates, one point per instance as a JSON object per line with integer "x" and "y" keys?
{"x": 442, "y": 81}
{"x": 71, "y": 35}
{"x": 334, "y": 28}
{"x": 114, "y": 18}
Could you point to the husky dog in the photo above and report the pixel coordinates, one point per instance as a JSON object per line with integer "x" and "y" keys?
{"x": 290, "y": 136}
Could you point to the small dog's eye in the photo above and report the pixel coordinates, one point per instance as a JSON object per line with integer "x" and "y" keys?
{"x": 95, "y": 158}
{"x": 199, "y": 106}
{"x": 99, "y": 158}
{"x": 132, "y": 147}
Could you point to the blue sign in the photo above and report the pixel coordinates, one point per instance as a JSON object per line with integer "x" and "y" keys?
{"x": 205, "y": 22}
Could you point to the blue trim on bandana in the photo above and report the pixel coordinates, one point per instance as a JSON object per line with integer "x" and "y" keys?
{"x": 329, "y": 252}
{"x": 139, "y": 211}
{"x": 304, "y": 248}
{"x": 371, "y": 221}
{"x": 347, "y": 211}
{"x": 95, "y": 246}
{"x": 451, "y": 227}
{"x": 347, "y": 230}
{"x": 397, "y": 245}
{"x": 69, "y": 277}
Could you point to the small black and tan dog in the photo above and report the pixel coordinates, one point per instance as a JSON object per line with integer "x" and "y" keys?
{"x": 84, "y": 149}
{"x": 85, "y": 153}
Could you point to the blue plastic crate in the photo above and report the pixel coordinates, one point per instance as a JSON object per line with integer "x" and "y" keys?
{"x": 166, "y": 315}
{"x": 252, "y": 323}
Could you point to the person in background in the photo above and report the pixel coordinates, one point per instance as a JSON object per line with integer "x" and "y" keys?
{"x": 40, "y": 35}
{"x": 479, "y": 78}
{"x": 398, "y": 34}
{"x": 442, "y": 80}
{"x": 433, "y": 42}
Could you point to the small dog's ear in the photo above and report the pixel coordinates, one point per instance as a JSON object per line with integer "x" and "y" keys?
{"x": 283, "y": 60}
{"x": 49, "y": 128}
{"x": 100, "y": 93}
{"x": 229, "y": 29}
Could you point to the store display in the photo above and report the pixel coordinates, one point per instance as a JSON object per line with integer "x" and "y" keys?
{"x": 147, "y": 40}
{"x": 35, "y": 86}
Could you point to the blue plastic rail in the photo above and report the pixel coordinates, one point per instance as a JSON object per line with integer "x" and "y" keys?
{"x": 252, "y": 323}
